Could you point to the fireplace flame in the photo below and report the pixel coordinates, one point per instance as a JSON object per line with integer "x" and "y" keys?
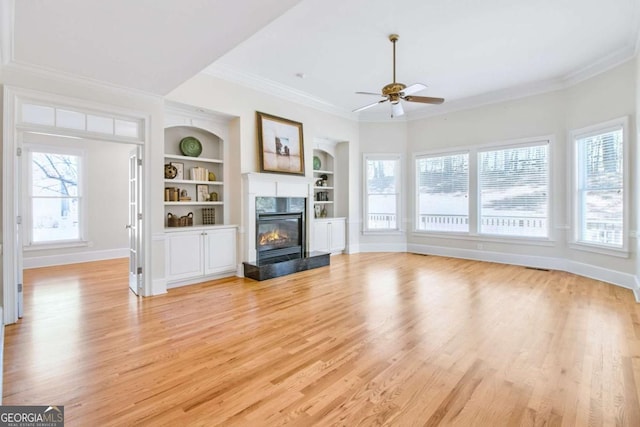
{"x": 271, "y": 237}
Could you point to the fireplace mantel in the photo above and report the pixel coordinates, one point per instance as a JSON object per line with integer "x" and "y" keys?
{"x": 271, "y": 185}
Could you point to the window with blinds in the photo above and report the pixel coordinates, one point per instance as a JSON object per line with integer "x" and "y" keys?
{"x": 382, "y": 189}
{"x": 600, "y": 188}
{"x": 443, "y": 193}
{"x": 513, "y": 191}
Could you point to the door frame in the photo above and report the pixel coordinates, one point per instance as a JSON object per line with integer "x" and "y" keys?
{"x": 12, "y": 181}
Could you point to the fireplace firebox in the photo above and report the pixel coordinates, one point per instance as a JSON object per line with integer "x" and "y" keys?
{"x": 280, "y": 229}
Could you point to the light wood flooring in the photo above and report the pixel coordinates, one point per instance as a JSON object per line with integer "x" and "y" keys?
{"x": 373, "y": 339}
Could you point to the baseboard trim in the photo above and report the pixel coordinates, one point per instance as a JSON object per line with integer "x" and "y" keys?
{"x": 200, "y": 279}
{"x": 382, "y": 247}
{"x": 74, "y": 258}
{"x": 158, "y": 287}
{"x": 624, "y": 280}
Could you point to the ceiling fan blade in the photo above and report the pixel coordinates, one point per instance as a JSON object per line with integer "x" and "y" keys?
{"x": 424, "y": 99}
{"x": 368, "y": 93}
{"x": 369, "y": 105}
{"x": 396, "y": 110}
{"x": 416, "y": 87}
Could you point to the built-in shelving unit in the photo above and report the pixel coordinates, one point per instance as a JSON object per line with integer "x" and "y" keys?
{"x": 194, "y": 195}
{"x": 323, "y": 187}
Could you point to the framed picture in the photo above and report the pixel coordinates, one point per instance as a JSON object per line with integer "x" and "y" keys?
{"x": 180, "y": 168}
{"x": 280, "y": 144}
{"x": 202, "y": 193}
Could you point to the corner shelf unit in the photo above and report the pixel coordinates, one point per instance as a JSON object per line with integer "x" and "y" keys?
{"x": 323, "y": 195}
{"x": 199, "y": 190}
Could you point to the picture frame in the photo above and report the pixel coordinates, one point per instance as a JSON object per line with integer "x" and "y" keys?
{"x": 281, "y": 145}
{"x": 180, "y": 168}
{"x": 202, "y": 193}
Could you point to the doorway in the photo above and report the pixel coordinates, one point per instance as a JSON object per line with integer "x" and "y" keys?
{"x": 27, "y": 118}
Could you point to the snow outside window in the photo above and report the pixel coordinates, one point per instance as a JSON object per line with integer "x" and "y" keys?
{"x": 54, "y": 197}
{"x": 443, "y": 193}
{"x": 513, "y": 193}
{"x": 382, "y": 193}
{"x": 600, "y": 188}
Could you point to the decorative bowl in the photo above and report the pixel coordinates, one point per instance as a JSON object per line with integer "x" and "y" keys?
{"x": 190, "y": 146}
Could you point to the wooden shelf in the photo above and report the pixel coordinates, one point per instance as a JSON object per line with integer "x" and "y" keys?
{"x": 188, "y": 181}
{"x": 192, "y": 203}
{"x": 192, "y": 159}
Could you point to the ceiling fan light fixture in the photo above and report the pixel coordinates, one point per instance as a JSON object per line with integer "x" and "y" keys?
{"x": 395, "y": 91}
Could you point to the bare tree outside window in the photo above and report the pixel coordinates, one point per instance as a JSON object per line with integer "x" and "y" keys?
{"x": 54, "y": 197}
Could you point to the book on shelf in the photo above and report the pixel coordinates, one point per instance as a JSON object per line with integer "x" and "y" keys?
{"x": 199, "y": 174}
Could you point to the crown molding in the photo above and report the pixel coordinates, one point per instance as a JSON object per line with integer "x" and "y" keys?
{"x": 22, "y": 69}
{"x": 261, "y": 84}
{"x": 258, "y": 83}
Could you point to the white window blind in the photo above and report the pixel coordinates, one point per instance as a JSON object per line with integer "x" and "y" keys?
{"x": 443, "y": 193}
{"x": 601, "y": 188}
{"x": 514, "y": 191}
{"x": 382, "y": 181}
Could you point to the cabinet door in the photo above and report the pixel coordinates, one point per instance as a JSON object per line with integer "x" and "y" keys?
{"x": 320, "y": 236}
{"x": 183, "y": 255}
{"x": 338, "y": 235}
{"x": 220, "y": 251}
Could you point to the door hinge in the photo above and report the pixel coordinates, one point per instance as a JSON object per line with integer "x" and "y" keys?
{"x": 139, "y": 270}
{"x": 18, "y": 151}
{"x": 19, "y": 287}
{"x": 140, "y": 217}
{"x": 18, "y": 220}
{"x": 139, "y": 162}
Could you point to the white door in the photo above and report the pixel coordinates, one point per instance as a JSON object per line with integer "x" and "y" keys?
{"x": 337, "y": 233}
{"x": 321, "y": 236}
{"x": 135, "y": 222}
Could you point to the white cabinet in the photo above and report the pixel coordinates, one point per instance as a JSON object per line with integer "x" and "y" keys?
{"x": 329, "y": 235}
{"x": 197, "y": 254}
{"x": 219, "y": 251}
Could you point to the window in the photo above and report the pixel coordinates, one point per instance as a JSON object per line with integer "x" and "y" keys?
{"x": 513, "y": 191}
{"x": 600, "y": 185}
{"x": 443, "y": 192}
{"x": 54, "y": 204}
{"x": 382, "y": 193}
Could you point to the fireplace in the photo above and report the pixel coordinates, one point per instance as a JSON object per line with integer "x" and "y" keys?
{"x": 276, "y": 215}
{"x": 280, "y": 229}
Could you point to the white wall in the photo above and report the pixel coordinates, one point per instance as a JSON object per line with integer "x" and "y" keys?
{"x": 107, "y": 173}
{"x": 385, "y": 138}
{"x": 604, "y": 97}
{"x": 232, "y": 99}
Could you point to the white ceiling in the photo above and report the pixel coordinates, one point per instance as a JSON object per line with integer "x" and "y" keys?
{"x": 149, "y": 45}
{"x": 464, "y": 50}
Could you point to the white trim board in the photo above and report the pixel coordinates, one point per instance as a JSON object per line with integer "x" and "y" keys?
{"x": 73, "y": 258}
{"x": 624, "y": 280}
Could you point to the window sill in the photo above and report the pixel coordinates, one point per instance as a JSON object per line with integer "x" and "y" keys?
{"x": 56, "y": 245}
{"x": 531, "y": 241}
{"x": 383, "y": 232}
{"x": 602, "y": 250}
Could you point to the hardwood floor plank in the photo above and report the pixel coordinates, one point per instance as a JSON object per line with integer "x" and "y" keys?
{"x": 372, "y": 339}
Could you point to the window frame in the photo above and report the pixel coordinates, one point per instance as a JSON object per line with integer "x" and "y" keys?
{"x": 28, "y": 243}
{"x": 530, "y": 142}
{"x": 575, "y": 241}
{"x": 474, "y": 197}
{"x": 471, "y": 170}
{"x": 398, "y": 158}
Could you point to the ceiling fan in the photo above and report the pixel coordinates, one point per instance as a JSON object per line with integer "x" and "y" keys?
{"x": 394, "y": 92}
